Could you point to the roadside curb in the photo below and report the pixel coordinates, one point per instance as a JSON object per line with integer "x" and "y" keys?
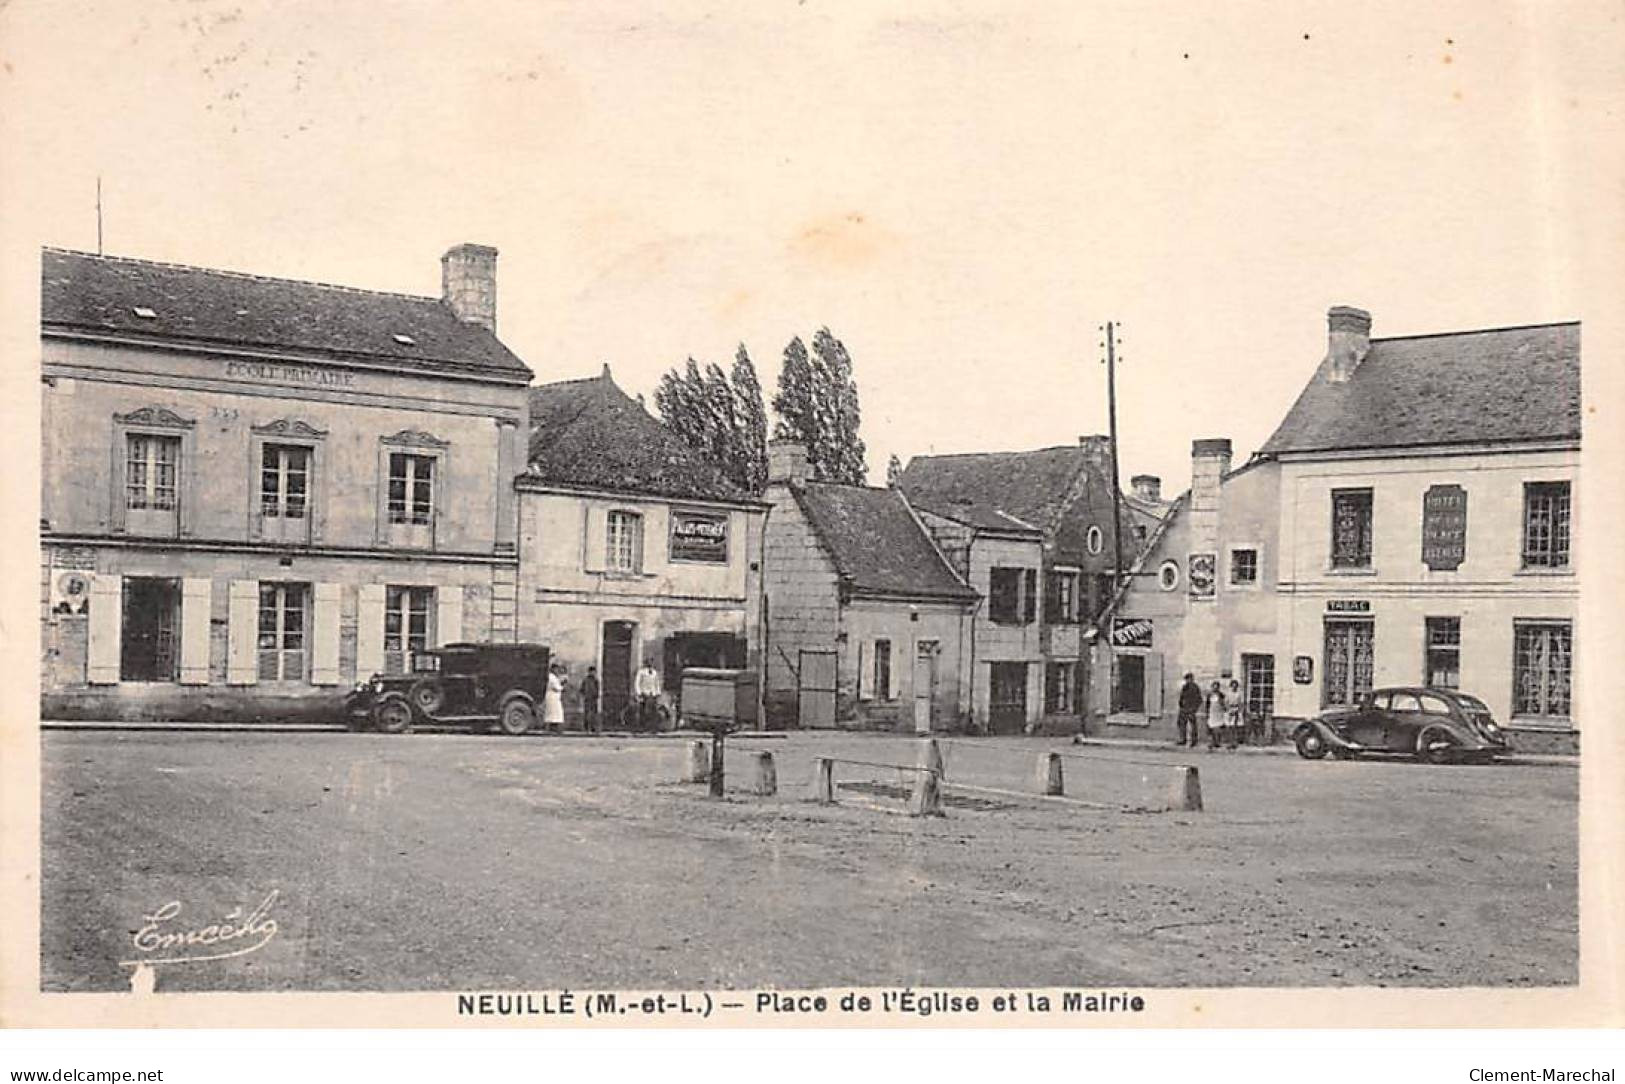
{"x": 159, "y": 726}
{"x": 1287, "y": 750}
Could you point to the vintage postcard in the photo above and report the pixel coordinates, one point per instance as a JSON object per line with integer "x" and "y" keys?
{"x": 863, "y": 515}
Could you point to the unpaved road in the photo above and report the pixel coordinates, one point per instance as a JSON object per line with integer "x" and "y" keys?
{"x": 438, "y": 862}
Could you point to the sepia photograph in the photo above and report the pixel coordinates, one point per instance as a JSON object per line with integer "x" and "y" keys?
{"x": 741, "y": 515}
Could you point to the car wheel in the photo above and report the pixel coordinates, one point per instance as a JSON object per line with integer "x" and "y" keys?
{"x": 428, "y": 696}
{"x": 1311, "y": 744}
{"x": 517, "y": 716}
{"x": 393, "y": 716}
{"x": 1435, "y": 747}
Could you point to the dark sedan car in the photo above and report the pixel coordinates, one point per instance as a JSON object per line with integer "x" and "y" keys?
{"x": 1436, "y": 725}
{"x": 461, "y": 684}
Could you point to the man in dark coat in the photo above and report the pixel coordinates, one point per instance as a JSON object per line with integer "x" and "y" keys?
{"x": 1190, "y": 702}
{"x": 589, "y": 701}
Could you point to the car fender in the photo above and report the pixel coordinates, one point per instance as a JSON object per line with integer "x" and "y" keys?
{"x": 1333, "y": 739}
{"x": 512, "y": 694}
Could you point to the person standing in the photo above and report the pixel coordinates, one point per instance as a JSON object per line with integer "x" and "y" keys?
{"x": 1232, "y": 714}
{"x": 647, "y": 688}
{"x": 553, "y": 701}
{"x": 1215, "y": 716}
{"x": 589, "y": 701}
{"x": 1190, "y": 703}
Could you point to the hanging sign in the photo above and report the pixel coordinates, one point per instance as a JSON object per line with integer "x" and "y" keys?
{"x": 1131, "y": 632}
{"x": 699, "y": 536}
{"x": 1444, "y": 528}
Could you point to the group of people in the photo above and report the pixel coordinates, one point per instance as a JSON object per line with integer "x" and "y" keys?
{"x": 1222, "y": 711}
{"x": 646, "y": 686}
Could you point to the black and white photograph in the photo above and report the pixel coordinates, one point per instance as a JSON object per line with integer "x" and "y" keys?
{"x": 740, "y": 515}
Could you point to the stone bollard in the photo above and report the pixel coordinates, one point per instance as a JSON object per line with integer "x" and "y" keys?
{"x": 1186, "y": 796}
{"x": 1048, "y": 778}
{"x": 823, "y": 786}
{"x": 765, "y": 777}
{"x": 699, "y": 763}
{"x": 926, "y": 800}
{"x": 931, "y": 757}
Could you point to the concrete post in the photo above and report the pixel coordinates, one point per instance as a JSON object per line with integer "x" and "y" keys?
{"x": 823, "y": 788}
{"x": 1048, "y": 778}
{"x": 931, "y": 757}
{"x": 699, "y": 763}
{"x": 1186, "y": 796}
{"x": 926, "y": 800}
{"x": 766, "y": 777}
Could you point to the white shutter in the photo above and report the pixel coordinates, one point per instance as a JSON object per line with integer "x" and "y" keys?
{"x": 866, "y": 671}
{"x": 595, "y": 530}
{"x": 106, "y": 625}
{"x": 369, "y": 631}
{"x": 892, "y": 674}
{"x": 324, "y": 651}
{"x": 448, "y": 616}
{"x": 1153, "y": 684}
{"x": 195, "y": 631}
{"x": 656, "y": 539}
{"x": 242, "y": 633}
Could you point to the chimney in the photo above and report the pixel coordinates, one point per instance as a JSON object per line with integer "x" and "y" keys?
{"x": 468, "y": 283}
{"x": 786, "y": 462}
{"x": 1147, "y": 487}
{"x": 1348, "y": 340}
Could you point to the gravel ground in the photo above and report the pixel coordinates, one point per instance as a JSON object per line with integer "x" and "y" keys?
{"x": 431, "y": 862}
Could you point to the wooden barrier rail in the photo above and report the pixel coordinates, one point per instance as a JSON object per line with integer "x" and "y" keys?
{"x": 924, "y": 800}
{"x": 1049, "y": 779}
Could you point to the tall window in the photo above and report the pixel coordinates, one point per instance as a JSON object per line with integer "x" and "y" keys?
{"x": 623, "y": 544}
{"x": 411, "y": 488}
{"x": 1442, "y": 666}
{"x": 1351, "y": 528}
{"x": 1546, "y": 525}
{"x": 406, "y": 625}
{"x": 1348, "y": 662}
{"x": 284, "y": 481}
{"x": 1004, "y": 596}
{"x": 1059, "y": 683}
{"x": 1061, "y": 608}
{"x": 882, "y": 669}
{"x": 1258, "y": 679}
{"x": 149, "y": 471}
{"x": 1543, "y": 668}
{"x": 282, "y": 631}
{"x": 1243, "y": 567}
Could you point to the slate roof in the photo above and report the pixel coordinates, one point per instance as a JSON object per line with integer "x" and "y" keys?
{"x": 86, "y": 293}
{"x": 983, "y": 517}
{"x": 589, "y": 434}
{"x": 1466, "y": 387}
{"x": 1032, "y": 486}
{"x": 877, "y": 545}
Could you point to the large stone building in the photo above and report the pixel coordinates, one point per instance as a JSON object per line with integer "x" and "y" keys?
{"x": 256, "y": 490}
{"x": 632, "y": 547}
{"x": 1409, "y": 522}
{"x": 867, "y": 623}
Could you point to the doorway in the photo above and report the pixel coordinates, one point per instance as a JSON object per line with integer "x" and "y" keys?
{"x": 815, "y": 689}
{"x": 1128, "y": 684}
{"x": 152, "y": 609}
{"x": 1007, "y": 696}
{"x": 925, "y": 684}
{"x": 1347, "y": 667}
{"x": 615, "y": 669}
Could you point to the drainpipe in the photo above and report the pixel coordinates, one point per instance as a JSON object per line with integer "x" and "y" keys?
{"x": 762, "y": 617}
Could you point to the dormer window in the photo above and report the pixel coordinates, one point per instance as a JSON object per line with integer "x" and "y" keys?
{"x": 145, "y": 313}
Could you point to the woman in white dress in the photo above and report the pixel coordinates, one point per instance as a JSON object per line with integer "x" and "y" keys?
{"x": 553, "y": 702}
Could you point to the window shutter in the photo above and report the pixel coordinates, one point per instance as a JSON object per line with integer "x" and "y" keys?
{"x": 324, "y": 660}
{"x": 1029, "y": 601}
{"x": 866, "y": 671}
{"x": 1153, "y": 684}
{"x": 369, "y": 631}
{"x": 596, "y": 530}
{"x": 195, "y": 631}
{"x": 242, "y": 633}
{"x": 106, "y": 624}
{"x": 448, "y": 615}
{"x": 1052, "y": 599}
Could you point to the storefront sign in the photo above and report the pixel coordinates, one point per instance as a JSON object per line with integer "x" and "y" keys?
{"x": 296, "y": 375}
{"x": 1131, "y": 632}
{"x": 1348, "y": 606}
{"x": 1203, "y": 574}
{"x": 699, "y": 536}
{"x": 1303, "y": 670}
{"x": 82, "y": 558}
{"x": 1444, "y": 527}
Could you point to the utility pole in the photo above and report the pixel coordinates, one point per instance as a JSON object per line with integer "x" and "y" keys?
{"x": 1117, "y": 493}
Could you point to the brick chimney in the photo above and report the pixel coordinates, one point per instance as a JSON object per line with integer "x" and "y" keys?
{"x": 786, "y": 462}
{"x": 1210, "y": 461}
{"x": 1147, "y": 487}
{"x": 468, "y": 283}
{"x": 1348, "y": 340}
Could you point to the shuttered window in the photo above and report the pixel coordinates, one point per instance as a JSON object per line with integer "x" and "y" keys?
{"x": 282, "y": 631}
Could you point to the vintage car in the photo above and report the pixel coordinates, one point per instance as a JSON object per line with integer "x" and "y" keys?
{"x": 1436, "y": 725}
{"x": 457, "y": 684}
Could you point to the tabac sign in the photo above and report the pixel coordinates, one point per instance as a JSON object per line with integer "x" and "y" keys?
{"x": 1444, "y": 528}
{"x": 1131, "y": 632}
{"x": 699, "y": 536}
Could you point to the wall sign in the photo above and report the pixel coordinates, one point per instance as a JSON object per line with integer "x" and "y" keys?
{"x": 699, "y": 536}
{"x": 1444, "y": 527}
{"x": 1303, "y": 670}
{"x": 298, "y": 375}
{"x": 1348, "y": 606}
{"x": 1203, "y": 574}
{"x": 1131, "y": 632}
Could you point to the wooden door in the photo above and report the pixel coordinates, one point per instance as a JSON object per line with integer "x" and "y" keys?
{"x": 615, "y": 667}
{"x": 815, "y": 693}
{"x": 925, "y": 684}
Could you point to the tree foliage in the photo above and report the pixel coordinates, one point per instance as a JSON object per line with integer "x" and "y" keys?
{"x": 719, "y": 416}
{"x": 817, "y": 405}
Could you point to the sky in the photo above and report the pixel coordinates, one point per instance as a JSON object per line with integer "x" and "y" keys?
{"x": 963, "y": 193}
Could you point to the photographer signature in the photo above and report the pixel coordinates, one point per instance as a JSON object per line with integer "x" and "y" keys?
{"x": 161, "y": 940}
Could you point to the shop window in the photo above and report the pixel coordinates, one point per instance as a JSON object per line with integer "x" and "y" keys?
{"x": 1351, "y": 528}
{"x": 1543, "y": 669}
{"x": 406, "y": 625}
{"x": 1258, "y": 685}
{"x": 1442, "y": 662}
{"x": 411, "y": 488}
{"x": 623, "y": 542}
{"x": 282, "y": 631}
{"x": 1348, "y": 662}
{"x": 1243, "y": 567}
{"x": 1546, "y": 525}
